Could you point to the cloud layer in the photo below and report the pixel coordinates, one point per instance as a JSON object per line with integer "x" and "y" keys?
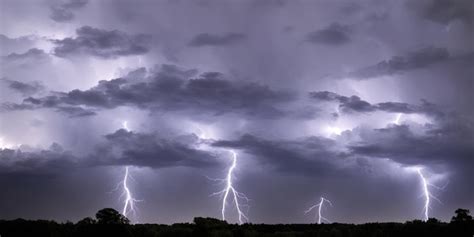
{"x": 102, "y": 43}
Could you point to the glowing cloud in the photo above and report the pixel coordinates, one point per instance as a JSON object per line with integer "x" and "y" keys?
{"x": 5, "y": 145}
{"x": 333, "y": 130}
{"x": 397, "y": 119}
{"x": 125, "y": 125}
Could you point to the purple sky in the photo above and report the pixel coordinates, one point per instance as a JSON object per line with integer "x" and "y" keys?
{"x": 341, "y": 99}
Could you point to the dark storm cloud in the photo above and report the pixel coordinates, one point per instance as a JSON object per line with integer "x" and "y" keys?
{"x": 75, "y": 111}
{"x": 356, "y": 104}
{"x": 32, "y": 55}
{"x": 418, "y": 59}
{"x": 445, "y": 11}
{"x": 119, "y": 148}
{"x": 150, "y": 150}
{"x": 348, "y": 104}
{"x": 447, "y": 143}
{"x": 334, "y": 34}
{"x": 52, "y": 102}
{"x": 63, "y": 11}
{"x": 22, "y": 87}
{"x": 102, "y": 43}
{"x": 172, "y": 89}
{"x": 206, "y": 39}
{"x": 43, "y": 162}
{"x": 312, "y": 155}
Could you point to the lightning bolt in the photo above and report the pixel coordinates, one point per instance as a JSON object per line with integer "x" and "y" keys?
{"x": 125, "y": 125}
{"x": 426, "y": 193}
{"x": 231, "y": 193}
{"x": 397, "y": 119}
{"x": 129, "y": 201}
{"x": 319, "y": 206}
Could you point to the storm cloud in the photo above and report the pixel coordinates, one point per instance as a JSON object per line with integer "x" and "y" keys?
{"x": 24, "y": 88}
{"x": 308, "y": 156}
{"x": 316, "y": 98}
{"x": 206, "y": 39}
{"x": 171, "y": 89}
{"x": 417, "y": 59}
{"x": 119, "y": 148}
{"x": 445, "y": 12}
{"x": 356, "y": 104}
{"x": 334, "y": 34}
{"x": 63, "y": 11}
{"x": 149, "y": 150}
{"x": 444, "y": 146}
{"x": 102, "y": 43}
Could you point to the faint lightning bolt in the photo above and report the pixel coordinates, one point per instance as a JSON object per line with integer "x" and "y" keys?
{"x": 319, "y": 206}
{"x": 230, "y": 192}
{"x": 125, "y": 125}
{"x": 426, "y": 193}
{"x": 397, "y": 119}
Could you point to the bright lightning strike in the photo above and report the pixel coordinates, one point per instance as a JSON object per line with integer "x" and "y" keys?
{"x": 426, "y": 193}
{"x": 129, "y": 202}
{"x": 319, "y": 206}
{"x": 230, "y": 192}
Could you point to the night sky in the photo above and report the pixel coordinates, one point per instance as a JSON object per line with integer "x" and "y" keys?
{"x": 345, "y": 100}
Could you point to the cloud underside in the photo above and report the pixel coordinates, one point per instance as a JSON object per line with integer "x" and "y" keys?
{"x": 206, "y": 39}
{"x": 444, "y": 12}
{"x": 64, "y": 11}
{"x": 168, "y": 89}
{"x": 450, "y": 142}
{"x": 333, "y": 35}
{"x": 119, "y": 148}
{"x": 355, "y": 104}
{"x": 417, "y": 59}
{"x": 102, "y": 43}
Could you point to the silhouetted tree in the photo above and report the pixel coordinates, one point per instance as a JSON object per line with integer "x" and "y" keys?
{"x": 209, "y": 222}
{"x": 87, "y": 221}
{"x": 433, "y": 221}
{"x": 111, "y": 216}
{"x": 206, "y": 226}
{"x": 462, "y": 215}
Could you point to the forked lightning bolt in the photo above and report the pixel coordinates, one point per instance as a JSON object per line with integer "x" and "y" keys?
{"x": 319, "y": 206}
{"x": 230, "y": 192}
{"x": 426, "y": 193}
{"x": 129, "y": 202}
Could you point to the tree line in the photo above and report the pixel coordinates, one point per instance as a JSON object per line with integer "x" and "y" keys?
{"x": 109, "y": 222}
